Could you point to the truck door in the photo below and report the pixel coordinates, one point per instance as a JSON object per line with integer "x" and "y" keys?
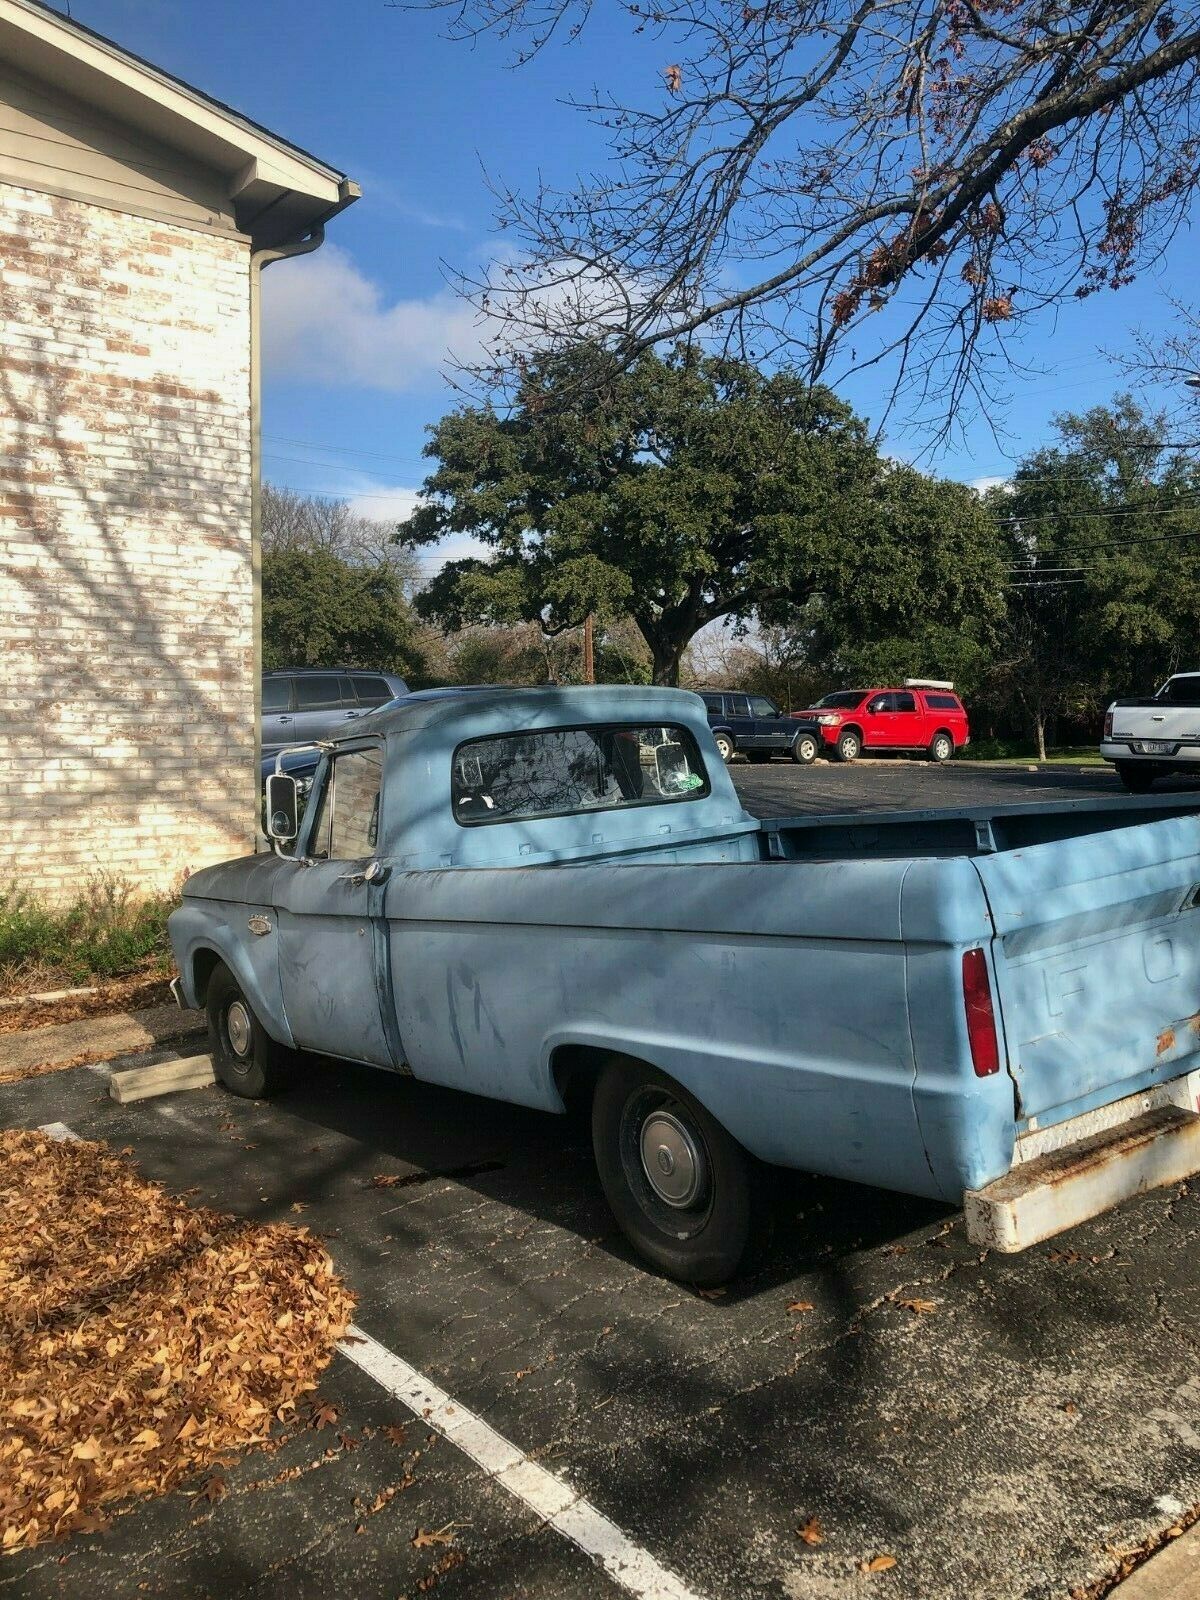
{"x": 877, "y": 721}
{"x": 332, "y": 937}
{"x": 908, "y": 722}
{"x": 741, "y": 723}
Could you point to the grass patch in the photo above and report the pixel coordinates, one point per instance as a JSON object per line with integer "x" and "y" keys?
{"x": 108, "y": 931}
{"x": 1079, "y": 755}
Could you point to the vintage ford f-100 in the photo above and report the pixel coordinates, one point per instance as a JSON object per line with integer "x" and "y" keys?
{"x": 531, "y": 894}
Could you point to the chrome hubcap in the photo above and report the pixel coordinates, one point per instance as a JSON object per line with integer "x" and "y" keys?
{"x": 671, "y": 1160}
{"x": 237, "y": 1026}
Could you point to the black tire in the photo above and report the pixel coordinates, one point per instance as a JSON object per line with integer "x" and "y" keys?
{"x": 804, "y": 749}
{"x": 725, "y": 746}
{"x": 941, "y": 747}
{"x": 701, "y": 1235}
{"x": 1138, "y": 777}
{"x": 245, "y": 1058}
{"x": 758, "y": 755}
{"x": 849, "y": 745}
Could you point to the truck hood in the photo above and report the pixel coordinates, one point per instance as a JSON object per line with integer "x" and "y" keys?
{"x": 248, "y": 880}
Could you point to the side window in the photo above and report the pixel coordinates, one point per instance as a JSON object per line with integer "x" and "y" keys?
{"x": 942, "y": 702}
{"x": 276, "y": 694}
{"x": 904, "y": 702}
{"x": 883, "y": 702}
{"x": 760, "y": 706}
{"x": 372, "y": 691}
{"x": 347, "y": 827}
{"x": 739, "y": 705}
{"x": 712, "y": 703}
{"x": 318, "y": 693}
{"x": 348, "y": 697}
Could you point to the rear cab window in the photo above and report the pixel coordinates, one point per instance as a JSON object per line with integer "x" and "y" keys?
{"x": 943, "y": 702}
{"x": 1181, "y": 691}
{"x": 556, "y": 772}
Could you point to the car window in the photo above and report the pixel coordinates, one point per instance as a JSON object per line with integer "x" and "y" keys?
{"x": 760, "y": 706}
{"x": 1182, "y": 691}
{"x": 882, "y": 702}
{"x": 562, "y": 770}
{"x": 346, "y": 694}
{"x": 276, "y": 694}
{"x": 903, "y": 702}
{"x": 739, "y": 705}
{"x": 318, "y": 693}
{"x": 942, "y": 702}
{"x": 372, "y": 691}
{"x": 842, "y": 700}
{"x": 712, "y": 702}
{"x": 347, "y": 826}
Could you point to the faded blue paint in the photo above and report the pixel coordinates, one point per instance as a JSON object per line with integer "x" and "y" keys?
{"x": 801, "y": 978}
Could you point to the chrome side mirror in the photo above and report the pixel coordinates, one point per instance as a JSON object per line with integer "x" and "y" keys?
{"x": 283, "y": 808}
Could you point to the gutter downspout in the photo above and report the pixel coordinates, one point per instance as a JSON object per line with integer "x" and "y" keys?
{"x": 348, "y": 193}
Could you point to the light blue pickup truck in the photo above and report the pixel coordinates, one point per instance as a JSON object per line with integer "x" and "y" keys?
{"x": 541, "y": 895}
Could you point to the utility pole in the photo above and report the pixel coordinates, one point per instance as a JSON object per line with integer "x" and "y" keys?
{"x": 589, "y": 658}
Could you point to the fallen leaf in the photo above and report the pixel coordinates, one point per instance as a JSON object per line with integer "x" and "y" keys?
{"x": 395, "y": 1432}
{"x": 88, "y": 1450}
{"x": 811, "y": 1531}
{"x": 711, "y": 1294}
{"x": 801, "y": 1305}
{"x": 919, "y": 1308}
{"x": 322, "y": 1415}
{"x": 298, "y": 1205}
{"x": 1070, "y": 1408}
{"x": 425, "y": 1537}
{"x": 212, "y": 1489}
{"x": 386, "y": 1180}
{"x": 877, "y": 1564}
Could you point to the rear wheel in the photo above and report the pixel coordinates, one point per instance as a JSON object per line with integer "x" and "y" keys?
{"x": 244, "y": 1057}
{"x": 725, "y": 746}
{"x": 849, "y": 746}
{"x": 1137, "y": 777}
{"x": 678, "y": 1184}
{"x": 941, "y": 747}
{"x": 804, "y": 750}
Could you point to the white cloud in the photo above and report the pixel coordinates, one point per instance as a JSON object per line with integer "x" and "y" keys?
{"x": 982, "y": 485}
{"x": 325, "y": 321}
{"x": 382, "y": 502}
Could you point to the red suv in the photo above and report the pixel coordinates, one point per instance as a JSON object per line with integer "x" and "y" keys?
{"x": 923, "y": 715}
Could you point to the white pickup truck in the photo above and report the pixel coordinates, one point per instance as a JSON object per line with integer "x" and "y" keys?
{"x": 1146, "y": 739}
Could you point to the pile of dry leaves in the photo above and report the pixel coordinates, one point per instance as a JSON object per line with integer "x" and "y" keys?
{"x": 139, "y": 1337}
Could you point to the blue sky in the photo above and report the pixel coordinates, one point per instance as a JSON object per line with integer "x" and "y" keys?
{"x": 356, "y": 335}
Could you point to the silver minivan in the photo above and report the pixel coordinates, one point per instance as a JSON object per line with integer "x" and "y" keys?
{"x": 300, "y": 704}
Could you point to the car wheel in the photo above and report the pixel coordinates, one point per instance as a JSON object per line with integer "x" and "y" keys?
{"x": 244, "y": 1057}
{"x": 678, "y": 1184}
{"x": 849, "y": 746}
{"x": 725, "y": 747}
{"x": 941, "y": 747}
{"x": 804, "y": 749}
{"x": 1137, "y": 778}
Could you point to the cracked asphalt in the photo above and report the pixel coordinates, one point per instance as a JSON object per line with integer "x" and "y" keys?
{"x": 1002, "y": 1427}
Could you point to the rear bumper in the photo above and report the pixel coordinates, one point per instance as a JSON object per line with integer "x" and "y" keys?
{"x": 1142, "y": 1143}
{"x": 1181, "y": 753}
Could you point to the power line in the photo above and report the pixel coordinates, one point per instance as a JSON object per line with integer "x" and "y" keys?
{"x": 340, "y": 449}
{"x": 1119, "y": 511}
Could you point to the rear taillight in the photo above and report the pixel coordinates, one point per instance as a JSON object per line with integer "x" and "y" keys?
{"x": 1108, "y": 724}
{"x": 981, "y": 1019}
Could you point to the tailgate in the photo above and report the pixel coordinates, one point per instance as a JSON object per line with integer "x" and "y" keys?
{"x": 1097, "y": 958}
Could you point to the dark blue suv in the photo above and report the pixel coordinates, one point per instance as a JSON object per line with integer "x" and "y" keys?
{"x": 754, "y": 726}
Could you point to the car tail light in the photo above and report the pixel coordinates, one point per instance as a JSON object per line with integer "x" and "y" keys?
{"x": 1108, "y": 724}
{"x": 981, "y": 1019}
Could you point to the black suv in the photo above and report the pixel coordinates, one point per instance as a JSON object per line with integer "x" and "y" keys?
{"x": 755, "y": 726}
{"x": 300, "y": 704}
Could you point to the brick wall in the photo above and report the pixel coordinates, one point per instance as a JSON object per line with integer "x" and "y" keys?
{"x": 127, "y": 736}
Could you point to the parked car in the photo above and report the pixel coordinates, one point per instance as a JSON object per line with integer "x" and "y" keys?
{"x": 1147, "y": 739}
{"x": 304, "y": 703}
{"x": 753, "y": 725}
{"x": 924, "y": 715}
{"x": 553, "y": 895}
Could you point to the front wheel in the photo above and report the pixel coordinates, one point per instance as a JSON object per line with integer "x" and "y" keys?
{"x": 678, "y": 1184}
{"x": 244, "y": 1056}
{"x": 1137, "y": 778}
{"x": 941, "y": 747}
{"x": 804, "y": 750}
{"x": 725, "y": 747}
{"x": 849, "y": 746}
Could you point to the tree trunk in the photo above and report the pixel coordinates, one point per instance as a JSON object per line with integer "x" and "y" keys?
{"x": 1041, "y": 735}
{"x": 666, "y": 665}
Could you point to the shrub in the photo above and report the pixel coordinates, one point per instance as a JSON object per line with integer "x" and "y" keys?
{"x": 108, "y": 931}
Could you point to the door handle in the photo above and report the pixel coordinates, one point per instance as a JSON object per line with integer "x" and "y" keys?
{"x": 373, "y": 872}
{"x": 285, "y": 719}
{"x": 350, "y": 714}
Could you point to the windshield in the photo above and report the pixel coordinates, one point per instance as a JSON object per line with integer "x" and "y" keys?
{"x": 843, "y": 700}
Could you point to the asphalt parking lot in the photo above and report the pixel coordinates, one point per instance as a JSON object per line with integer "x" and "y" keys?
{"x": 999, "y": 1427}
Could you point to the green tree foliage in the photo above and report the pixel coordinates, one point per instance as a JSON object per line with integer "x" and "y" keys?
{"x": 322, "y": 611}
{"x": 692, "y": 489}
{"x": 1103, "y": 535}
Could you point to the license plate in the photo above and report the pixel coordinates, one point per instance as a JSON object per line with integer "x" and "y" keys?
{"x": 1154, "y": 747}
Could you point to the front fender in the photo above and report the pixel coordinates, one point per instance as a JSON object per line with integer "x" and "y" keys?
{"x": 199, "y": 926}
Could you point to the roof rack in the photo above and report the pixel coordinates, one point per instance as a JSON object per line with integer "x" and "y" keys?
{"x": 928, "y": 683}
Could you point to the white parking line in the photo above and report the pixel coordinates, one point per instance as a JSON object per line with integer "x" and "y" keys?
{"x": 547, "y": 1495}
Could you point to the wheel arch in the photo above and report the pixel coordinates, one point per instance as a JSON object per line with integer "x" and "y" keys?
{"x": 574, "y": 1064}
